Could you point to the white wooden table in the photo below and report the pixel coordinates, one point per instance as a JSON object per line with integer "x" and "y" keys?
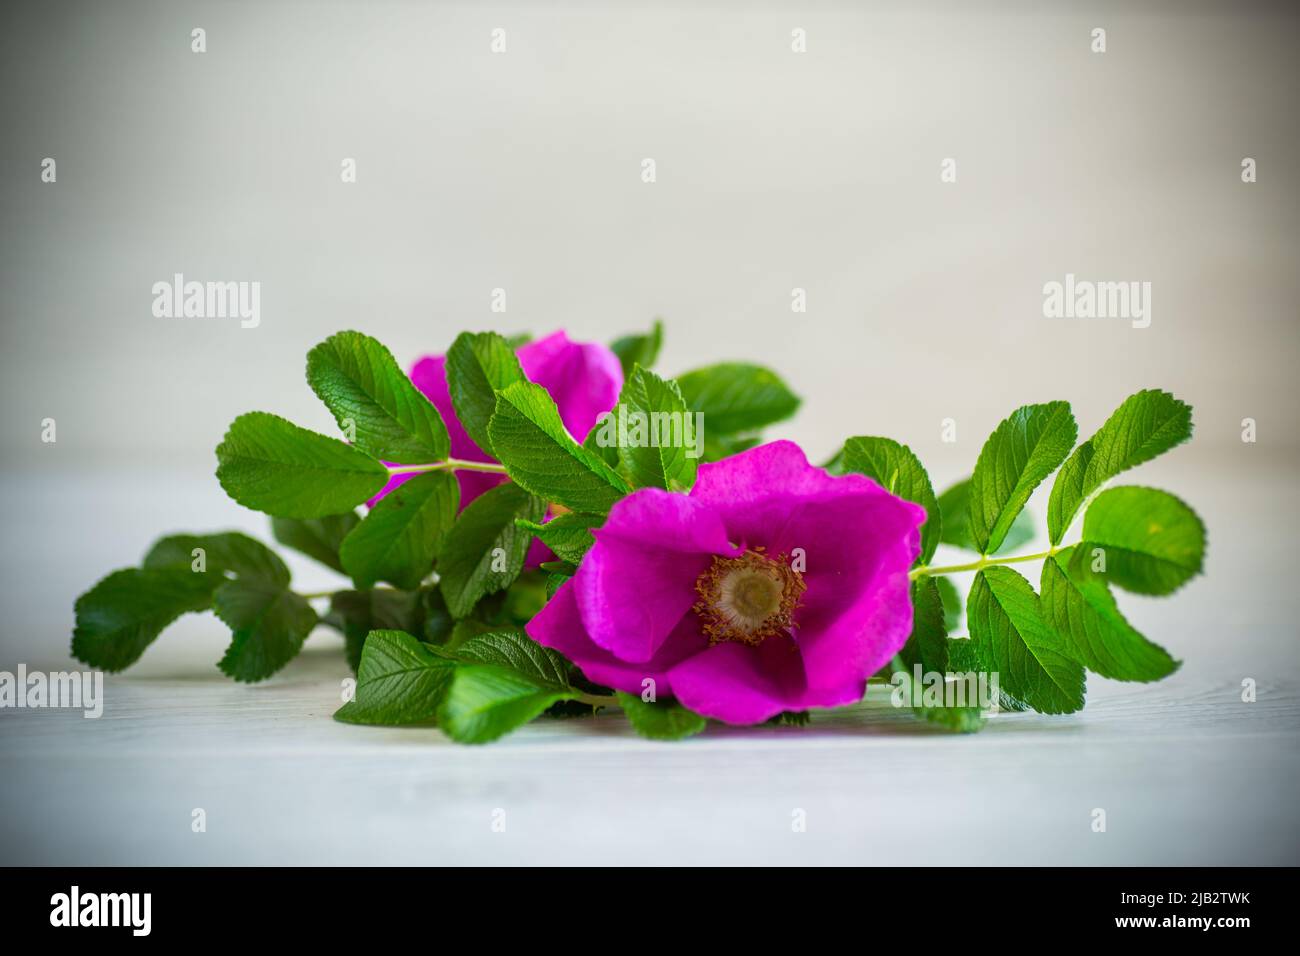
{"x": 1186, "y": 772}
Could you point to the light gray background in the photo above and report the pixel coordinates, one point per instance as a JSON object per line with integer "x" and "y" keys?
{"x": 522, "y": 171}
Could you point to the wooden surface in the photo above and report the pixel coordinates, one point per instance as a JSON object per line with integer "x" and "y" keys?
{"x": 1186, "y": 771}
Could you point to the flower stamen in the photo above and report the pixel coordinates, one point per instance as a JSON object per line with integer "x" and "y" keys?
{"x": 748, "y": 599}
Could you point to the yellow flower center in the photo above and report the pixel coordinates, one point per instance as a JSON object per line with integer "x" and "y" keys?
{"x": 749, "y": 598}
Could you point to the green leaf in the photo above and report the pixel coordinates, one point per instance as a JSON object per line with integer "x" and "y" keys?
{"x": 478, "y": 366}
{"x": 1147, "y": 424}
{"x": 961, "y": 718}
{"x": 271, "y": 465}
{"x": 643, "y": 350}
{"x": 529, "y": 439}
{"x": 928, "y": 643}
{"x": 660, "y": 721}
{"x": 963, "y": 655}
{"x": 486, "y": 701}
{"x": 608, "y": 453}
{"x": 398, "y": 539}
{"x": 374, "y": 402}
{"x": 954, "y": 506}
{"x": 268, "y": 623}
{"x": 400, "y": 681}
{"x": 226, "y": 553}
{"x": 897, "y": 469}
{"x": 568, "y": 535}
{"x": 462, "y": 631}
{"x": 927, "y": 647}
{"x": 484, "y": 551}
{"x": 438, "y": 624}
{"x": 654, "y": 433}
{"x": 718, "y": 447}
{"x": 737, "y": 397}
{"x": 524, "y": 599}
{"x": 515, "y": 650}
{"x": 1080, "y": 607}
{"x": 1012, "y": 639}
{"x": 318, "y": 538}
{"x": 952, "y": 616}
{"x": 1153, "y": 542}
{"x": 357, "y": 613}
{"x": 1027, "y": 447}
{"x": 555, "y": 581}
{"x": 791, "y": 718}
{"x": 122, "y": 615}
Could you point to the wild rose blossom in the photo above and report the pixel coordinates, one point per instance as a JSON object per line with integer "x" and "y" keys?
{"x": 584, "y": 379}
{"x": 771, "y": 586}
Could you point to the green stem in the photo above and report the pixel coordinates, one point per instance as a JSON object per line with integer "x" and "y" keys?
{"x": 451, "y": 464}
{"x": 312, "y": 595}
{"x": 598, "y": 700}
{"x": 983, "y": 562}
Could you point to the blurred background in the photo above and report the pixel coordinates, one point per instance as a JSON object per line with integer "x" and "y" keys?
{"x": 522, "y": 170}
{"x": 775, "y": 171}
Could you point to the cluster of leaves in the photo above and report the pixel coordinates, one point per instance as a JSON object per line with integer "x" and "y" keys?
{"x": 485, "y": 687}
{"x": 439, "y": 593}
{"x": 433, "y": 619}
{"x": 1041, "y": 643}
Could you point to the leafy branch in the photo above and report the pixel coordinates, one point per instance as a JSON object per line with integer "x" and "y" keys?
{"x": 1133, "y": 538}
{"x": 438, "y": 590}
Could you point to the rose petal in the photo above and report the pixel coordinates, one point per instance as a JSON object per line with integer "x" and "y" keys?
{"x": 741, "y": 684}
{"x": 763, "y": 493}
{"x": 559, "y": 626}
{"x": 638, "y": 580}
{"x": 856, "y": 613}
{"x": 584, "y": 378}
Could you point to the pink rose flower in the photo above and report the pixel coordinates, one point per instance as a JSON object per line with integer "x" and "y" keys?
{"x": 584, "y": 379}
{"x": 772, "y": 586}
